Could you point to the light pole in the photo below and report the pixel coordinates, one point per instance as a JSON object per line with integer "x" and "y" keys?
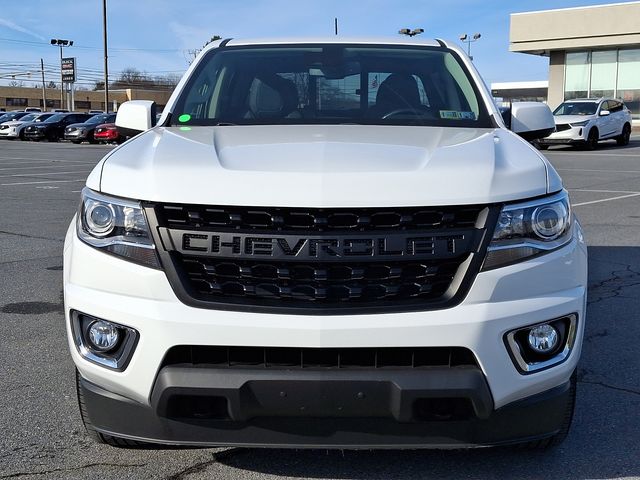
{"x": 61, "y": 43}
{"x": 106, "y": 58}
{"x": 411, "y": 33}
{"x": 469, "y": 40}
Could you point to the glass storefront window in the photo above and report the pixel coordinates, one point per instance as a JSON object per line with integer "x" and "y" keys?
{"x": 629, "y": 80}
{"x": 576, "y": 81}
{"x": 603, "y": 73}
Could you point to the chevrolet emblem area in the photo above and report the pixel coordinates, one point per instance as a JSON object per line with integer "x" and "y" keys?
{"x": 326, "y": 248}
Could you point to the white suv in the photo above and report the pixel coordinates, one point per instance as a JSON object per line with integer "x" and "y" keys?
{"x": 327, "y": 243}
{"x": 586, "y": 121}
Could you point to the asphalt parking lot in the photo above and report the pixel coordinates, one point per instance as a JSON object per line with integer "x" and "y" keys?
{"x": 42, "y": 435}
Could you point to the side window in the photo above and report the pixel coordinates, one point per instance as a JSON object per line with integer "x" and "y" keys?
{"x": 605, "y": 106}
{"x": 615, "y": 106}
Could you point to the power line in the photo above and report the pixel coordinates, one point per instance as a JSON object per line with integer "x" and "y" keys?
{"x": 86, "y": 47}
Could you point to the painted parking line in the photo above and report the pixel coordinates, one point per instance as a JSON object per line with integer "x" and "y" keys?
{"x": 7, "y": 161}
{"x": 603, "y": 154}
{"x": 601, "y": 191}
{"x": 41, "y": 174}
{"x": 606, "y": 200}
{"x": 593, "y": 170}
{"x": 44, "y": 182}
{"x": 77, "y": 165}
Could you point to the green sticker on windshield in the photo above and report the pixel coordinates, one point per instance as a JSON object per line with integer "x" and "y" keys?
{"x": 184, "y": 118}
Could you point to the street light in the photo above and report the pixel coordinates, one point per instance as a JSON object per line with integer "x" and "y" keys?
{"x": 106, "y": 56}
{"x": 61, "y": 43}
{"x": 411, "y": 33}
{"x": 469, "y": 40}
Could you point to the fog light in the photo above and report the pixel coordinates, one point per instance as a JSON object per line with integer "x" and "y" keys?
{"x": 543, "y": 338}
{"x": 103, "y": 336}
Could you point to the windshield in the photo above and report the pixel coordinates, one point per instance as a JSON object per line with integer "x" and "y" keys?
{"x": 29, "y": 118}
{"x": 43, "y": 117}
{"x": 55, "y": 118}
{"x": 7, "y": 117}
{"x": 577, "y": 108}
{"x": 100, "y": 119}
{"x": 330, "y": 84}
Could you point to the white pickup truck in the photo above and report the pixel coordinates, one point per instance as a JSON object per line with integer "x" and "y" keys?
{"x": 330, "y": 243}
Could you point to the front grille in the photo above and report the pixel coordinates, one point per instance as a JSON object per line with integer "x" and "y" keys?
{"x": 315, "y": 220}
{"x": 322, "y": 284}
{"x": 205, "y": 271}
{"x": 562, "y": 127}
{"x": 327, "y": 358}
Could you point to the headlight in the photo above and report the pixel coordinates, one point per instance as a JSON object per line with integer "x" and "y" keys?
{"x": 525, "y": 230}
{"x": 580, "y": 124}
{"x": 116, "y": 226}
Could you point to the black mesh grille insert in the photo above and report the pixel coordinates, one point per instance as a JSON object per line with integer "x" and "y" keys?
{"x": 277, "y": 219}
{"x": 331, "y": 358}
{"x": 317, "y": 282}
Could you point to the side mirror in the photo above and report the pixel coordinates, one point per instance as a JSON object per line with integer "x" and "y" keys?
{"x": 604, "y": 113}
{"x": 135, "y": 117}
{"x": 530, "y": 120}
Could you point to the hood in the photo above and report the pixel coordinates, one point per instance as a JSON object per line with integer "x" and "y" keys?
{"x": 564, "y": 119}
{"x": 13, "y": 123}
{"x": 79, "y": 125}
{"x": 324, "y": 166}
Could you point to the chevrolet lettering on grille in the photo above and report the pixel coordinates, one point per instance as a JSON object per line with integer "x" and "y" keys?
{"x": 331, "y": 247}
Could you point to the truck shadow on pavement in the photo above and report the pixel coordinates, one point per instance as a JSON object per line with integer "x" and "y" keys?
{"x": 604, "y": 441}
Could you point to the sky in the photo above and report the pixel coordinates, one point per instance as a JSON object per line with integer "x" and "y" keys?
{"x": 156, "y": 36}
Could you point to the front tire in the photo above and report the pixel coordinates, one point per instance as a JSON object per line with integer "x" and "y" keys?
{"x": 624, "y": 137}
{"x": 592, "y": 139}
{"x": 96, "y": 436}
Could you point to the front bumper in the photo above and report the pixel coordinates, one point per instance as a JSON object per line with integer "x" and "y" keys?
{"x": 536, "y": 417}
{"x": 76, "y": 136}
{"x": 500, "y": 300}
{"x": 573, "y": 135}
{"x": 37, "y": 135}
{"x": 8, "y": 133}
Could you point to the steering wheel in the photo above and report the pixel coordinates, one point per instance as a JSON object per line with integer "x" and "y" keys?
{"x": 406, "y": 111}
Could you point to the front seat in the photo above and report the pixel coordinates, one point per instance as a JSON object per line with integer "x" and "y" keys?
{"x": 397, "y": 91}
{"x": 273, "y": 97}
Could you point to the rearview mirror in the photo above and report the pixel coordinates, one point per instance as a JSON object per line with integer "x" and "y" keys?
{"x": 135, "y": 117}
{"x": 530, "y": 120}
{"x": 604, "y": 113}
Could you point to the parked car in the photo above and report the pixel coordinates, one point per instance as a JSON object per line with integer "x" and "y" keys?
{"x": 108, "y": 133}
{"x": 586, "y": 121}
{"x": 327, "y": 245}
{"x": 7, "y": 117}
{"x": 33, "y": 109}
{"x": 52, "y": 128}
{"x": 15, "y": 128}
{"x": 80, "y": 132}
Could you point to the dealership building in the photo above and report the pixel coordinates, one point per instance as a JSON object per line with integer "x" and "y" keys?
{"x": 19, "y": 98}
{"x": 593, "y": 51}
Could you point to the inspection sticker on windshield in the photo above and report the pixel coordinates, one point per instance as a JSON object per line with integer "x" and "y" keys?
{"x": 455, "y": 115}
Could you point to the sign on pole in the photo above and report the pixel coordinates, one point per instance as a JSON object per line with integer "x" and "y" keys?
{"x": 69, "y": 70}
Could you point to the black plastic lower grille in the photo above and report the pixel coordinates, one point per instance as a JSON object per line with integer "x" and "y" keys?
{"x": 322, "y": 284}
{"x": 331, "y": 358}
{"x": 562, "y": 127}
